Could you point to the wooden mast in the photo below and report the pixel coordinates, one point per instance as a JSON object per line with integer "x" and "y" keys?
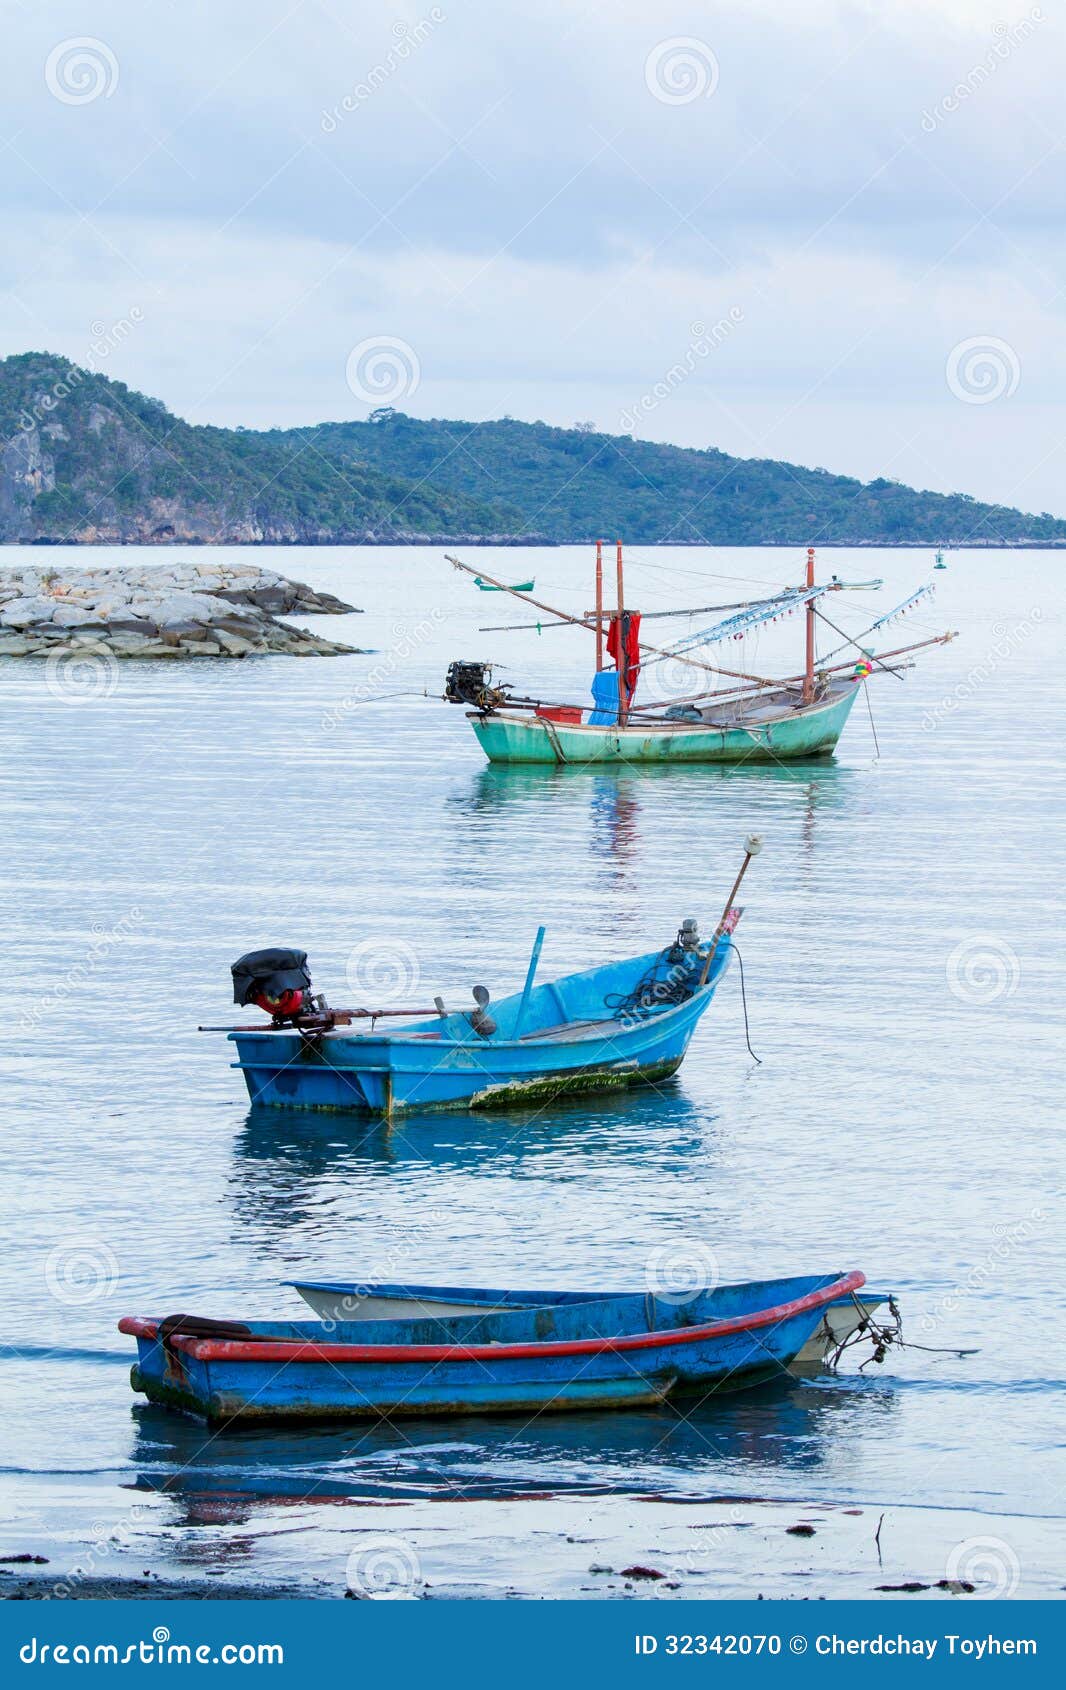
{"x": 599, "y": 605}
{"x": 623, "y": 694}
{"x": 586, "y": 622}
{"x": 808, "y": 677}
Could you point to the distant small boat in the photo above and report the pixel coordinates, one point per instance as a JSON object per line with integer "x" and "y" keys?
{"x": 939, "y": 564}
{"x": 618, "y": 1025}
{"x": 359, "y": 1300}
{"x": 615, "y": 1352}
{"x": 496, "y": 587}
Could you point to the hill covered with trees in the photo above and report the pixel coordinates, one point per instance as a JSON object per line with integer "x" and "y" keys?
{"x": 86, "y": 459}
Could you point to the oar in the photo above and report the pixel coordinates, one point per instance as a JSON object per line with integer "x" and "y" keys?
{"x": 752, "y": 847}
{"x": 528, "y": 987}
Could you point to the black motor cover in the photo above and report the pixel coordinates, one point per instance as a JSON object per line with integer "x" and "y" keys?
{"x": 471, "y": 683}
{"x": 269, "y": 974}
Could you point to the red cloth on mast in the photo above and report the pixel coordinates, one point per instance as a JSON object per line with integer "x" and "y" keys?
{"x": 624, "y": 635}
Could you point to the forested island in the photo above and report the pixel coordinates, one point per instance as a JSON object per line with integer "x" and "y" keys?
{"x": 86, "y": 460}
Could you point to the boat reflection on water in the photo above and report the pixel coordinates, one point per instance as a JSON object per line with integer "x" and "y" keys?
{"x": 617, "y": 798}
{"x": 661, "y": 1124}
{"x": 285, "y": 1159}
{"x": 744, "y": 1445}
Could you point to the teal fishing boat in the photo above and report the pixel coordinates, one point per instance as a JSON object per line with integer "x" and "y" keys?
{"x": 498, "y": 587}
{"x": 752, "y": 718}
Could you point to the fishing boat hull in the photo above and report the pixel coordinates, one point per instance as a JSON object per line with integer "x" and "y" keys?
{"x": 575, "y": 1045}
{"x": 734, "y": 1337}
{"x": 507, "y": 737}
{"x": 355, "y": 1300}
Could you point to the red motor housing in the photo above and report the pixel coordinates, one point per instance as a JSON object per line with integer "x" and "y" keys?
{"x": 285, "y": 1004}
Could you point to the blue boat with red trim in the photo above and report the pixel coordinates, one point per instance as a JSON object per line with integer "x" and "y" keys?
{"x": 613, "y": 1352}
{"x": 844, "y": 1321}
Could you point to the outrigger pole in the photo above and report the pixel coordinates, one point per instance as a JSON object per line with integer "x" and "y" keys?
{"x": 583, "y": 622}
{"x": 827, "y": 669}
{"x": 599, "y": 605}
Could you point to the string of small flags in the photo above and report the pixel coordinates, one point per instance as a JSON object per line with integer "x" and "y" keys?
{"x": 925, "y": 592}
{"x": 765, "y": 610}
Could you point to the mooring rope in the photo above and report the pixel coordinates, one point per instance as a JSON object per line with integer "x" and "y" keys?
{"x": 744, "y": 1001}
{"x": 873, "y": 730}
{"x": 553, "y": 739}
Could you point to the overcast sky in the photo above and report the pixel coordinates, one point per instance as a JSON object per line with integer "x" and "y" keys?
{"x": 828, "y": 232}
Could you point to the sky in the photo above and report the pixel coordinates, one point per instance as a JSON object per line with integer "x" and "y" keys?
{"x": 831, "y": 232}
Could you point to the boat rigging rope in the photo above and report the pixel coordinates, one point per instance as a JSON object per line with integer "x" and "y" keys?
{"x": 868, "y": 655}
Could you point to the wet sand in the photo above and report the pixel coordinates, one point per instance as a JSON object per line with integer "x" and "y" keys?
{"x": 588, "y": 1547}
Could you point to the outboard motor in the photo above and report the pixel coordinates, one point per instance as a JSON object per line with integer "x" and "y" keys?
{"x": 687, "y": 941}
{"x": 276, "y": 981}
{"x": 471, "y": 683}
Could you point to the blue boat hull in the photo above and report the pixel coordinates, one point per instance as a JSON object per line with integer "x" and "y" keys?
{"x": 554, "y": 1358}
{"x": 571, "y": 1042}
{"x": 361, "y": 1299}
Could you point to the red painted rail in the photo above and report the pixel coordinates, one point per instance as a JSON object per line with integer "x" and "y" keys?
{"x": 266, "y": 1349}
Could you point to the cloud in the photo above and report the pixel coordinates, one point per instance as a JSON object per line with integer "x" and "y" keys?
{"x": 507, "y": 192}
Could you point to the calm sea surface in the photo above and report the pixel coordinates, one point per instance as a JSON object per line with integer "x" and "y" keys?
{"x": 902, "y": 944}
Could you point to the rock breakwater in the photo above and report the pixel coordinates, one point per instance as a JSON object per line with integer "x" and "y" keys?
{"x": 188, "y": 610}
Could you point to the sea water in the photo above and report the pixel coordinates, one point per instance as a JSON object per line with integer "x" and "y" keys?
{"x": 901, "y": 942}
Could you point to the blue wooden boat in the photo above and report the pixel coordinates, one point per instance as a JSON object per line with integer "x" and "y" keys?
{"x": 614, "y": 1352}
{"x": 622, "y": 1024}
{"x": 359, "y": 1300}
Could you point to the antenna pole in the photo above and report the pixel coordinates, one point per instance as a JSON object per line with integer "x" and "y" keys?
{"x": 623, "y": 697}
{"x": 808, "y": 677}
{"x": 599, "y": 605}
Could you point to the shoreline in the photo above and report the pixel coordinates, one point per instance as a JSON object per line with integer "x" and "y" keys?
{"x": 536, "y": 1547}
{"x": 534, "y": 543}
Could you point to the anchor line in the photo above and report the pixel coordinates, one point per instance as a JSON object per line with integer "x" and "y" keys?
{"x": 873, "y": 730}
{"x": 744, "y": 1001}
{"x": 869, "y": 1329}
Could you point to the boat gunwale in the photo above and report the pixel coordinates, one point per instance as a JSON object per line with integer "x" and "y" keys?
{"x": 285, "y": 1350}
{"x": 661, "y": 726}
{"x": 417, "y": 1036}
